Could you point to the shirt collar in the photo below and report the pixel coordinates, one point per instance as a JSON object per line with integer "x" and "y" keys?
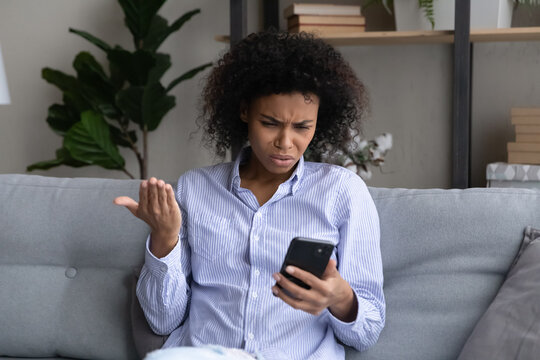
{"x": 293, "y": 181}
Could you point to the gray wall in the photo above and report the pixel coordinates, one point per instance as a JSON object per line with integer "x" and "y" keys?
{"x": 34, "y": 34}
{"x": 410, "y": 88}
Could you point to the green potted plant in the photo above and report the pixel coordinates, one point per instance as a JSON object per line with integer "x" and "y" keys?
{"x": 104, "y": 110}
{"x": 426, "y": 6}
{"x": 359, "y": 156}
{"x": 439, "y": 14}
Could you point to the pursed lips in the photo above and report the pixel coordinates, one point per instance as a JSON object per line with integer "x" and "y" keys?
{"x": 282, "y": 157}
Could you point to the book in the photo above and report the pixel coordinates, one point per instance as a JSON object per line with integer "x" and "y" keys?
{"x": 328, "y": 30}
{"x": 528, "y": 138}
{"x": 522, "y": 157}
{"x": 527, "y": 129}
{"x": 325, "y": 20}
{"x": 321, "y": 9}
{"x": 525, "y": 112}
{"x": 526, "y": 120}
{"x": 527, "y": 147}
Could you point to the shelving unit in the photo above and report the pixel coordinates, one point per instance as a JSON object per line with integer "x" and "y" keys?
{"x": 462, "y": 40}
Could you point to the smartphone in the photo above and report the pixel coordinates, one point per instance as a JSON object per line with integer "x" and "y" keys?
{"x": 307, "y": 254}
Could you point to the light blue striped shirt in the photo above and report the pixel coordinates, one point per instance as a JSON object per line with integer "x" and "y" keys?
{"x": 215, "y": 286}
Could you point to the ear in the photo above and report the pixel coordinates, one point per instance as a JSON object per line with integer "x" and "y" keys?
{"x": 244, "y": 111}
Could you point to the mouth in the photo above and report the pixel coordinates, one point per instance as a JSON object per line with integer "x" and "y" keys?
{"x": 282, "y": 160}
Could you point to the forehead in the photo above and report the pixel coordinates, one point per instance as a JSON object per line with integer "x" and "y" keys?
{"x": 291, "y": 103}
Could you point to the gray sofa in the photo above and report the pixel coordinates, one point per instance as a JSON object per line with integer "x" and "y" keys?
{"x": 67, "y": 257}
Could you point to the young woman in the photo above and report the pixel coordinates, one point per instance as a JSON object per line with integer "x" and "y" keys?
{"x": 217, "y": 243}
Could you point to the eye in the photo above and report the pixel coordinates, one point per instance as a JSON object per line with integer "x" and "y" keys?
{"x": 268, "y": 123}
{"x": 302, "y": 127}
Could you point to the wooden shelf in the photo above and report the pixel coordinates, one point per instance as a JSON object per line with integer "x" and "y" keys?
{"x": 432, "y": 37}
{"x": 509, "y": 34}
{"x": 427, "y": 37}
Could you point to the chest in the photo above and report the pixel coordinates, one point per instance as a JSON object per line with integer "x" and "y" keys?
{"x": 238, "y": 239}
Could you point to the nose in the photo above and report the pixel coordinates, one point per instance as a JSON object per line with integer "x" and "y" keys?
{"x": 283, "y": 140}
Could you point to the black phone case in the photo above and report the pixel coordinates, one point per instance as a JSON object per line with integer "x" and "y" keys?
{"x": 311, "y": 255}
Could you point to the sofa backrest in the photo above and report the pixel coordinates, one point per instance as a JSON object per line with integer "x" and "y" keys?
{"x": 445, "y": 255}
{"x": 67, "y": 255}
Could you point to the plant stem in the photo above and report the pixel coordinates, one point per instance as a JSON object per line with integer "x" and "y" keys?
{"x": 124, "y": 123}
{"x": 128, "y": 173}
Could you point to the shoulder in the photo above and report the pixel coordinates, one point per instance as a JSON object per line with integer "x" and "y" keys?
{"x": 338, "y": 177}
{"x": 208, "y": 173}
{"x": 207, "y": 178}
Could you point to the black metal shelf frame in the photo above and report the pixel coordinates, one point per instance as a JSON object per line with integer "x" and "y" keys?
{"x": 461, "y": 115}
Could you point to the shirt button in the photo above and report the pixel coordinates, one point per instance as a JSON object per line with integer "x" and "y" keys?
{"x": 254, "y": 294}
{"x": 256, "y": 238}
{"x": 251, "y": 336}
{"x": 258, "y": 215}
{"x": 257, "y": 273}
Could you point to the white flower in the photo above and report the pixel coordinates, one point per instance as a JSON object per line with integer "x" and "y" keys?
{"x": 376, "y": 154}
{"x": 364, "y": 173}
{"x": 362, "y": 145}
{"x": 352, "y": 166}
{"x": 384, "y": 142}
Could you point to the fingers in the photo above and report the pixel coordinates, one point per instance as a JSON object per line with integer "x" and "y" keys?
{"x": 153, "y": 197}
{"x": 331, "y": 269}
{"x": 128, "y": 202}
{"x": 171, "y": 198}
{"x": 143, "y": 195}
{"x": 307, "y": 277}
{"x": 162, "y": 195}
{"x": 295, "y": 296}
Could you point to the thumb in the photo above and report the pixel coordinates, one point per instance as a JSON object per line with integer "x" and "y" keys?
{"x": 128, "y": 202}
{"x": 331, "y": 269}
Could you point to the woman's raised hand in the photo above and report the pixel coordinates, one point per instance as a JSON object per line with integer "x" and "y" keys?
{"x": 158, "y": 208}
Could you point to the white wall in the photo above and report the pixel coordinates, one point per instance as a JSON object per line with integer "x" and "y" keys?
{"x": 34, "y": 34}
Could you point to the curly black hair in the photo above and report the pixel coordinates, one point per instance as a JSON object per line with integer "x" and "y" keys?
{"x": 275, "y": 62}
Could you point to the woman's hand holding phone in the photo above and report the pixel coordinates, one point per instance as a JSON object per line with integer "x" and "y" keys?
{"x": 330, "y": 291}
{"x": 158, "y": 208}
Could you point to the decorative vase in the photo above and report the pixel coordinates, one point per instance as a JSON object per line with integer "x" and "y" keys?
{"x": 485, "y": 14}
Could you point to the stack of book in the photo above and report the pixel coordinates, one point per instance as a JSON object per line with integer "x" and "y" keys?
{"x": 526, "y": 149}
{"x": 325, "y": 20}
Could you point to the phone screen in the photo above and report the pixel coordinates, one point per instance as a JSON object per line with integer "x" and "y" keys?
{"x": 307, "y": 254}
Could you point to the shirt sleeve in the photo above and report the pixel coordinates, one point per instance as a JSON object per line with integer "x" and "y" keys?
{"x": 359, "y": 263}
{"x": 163, "y": 288}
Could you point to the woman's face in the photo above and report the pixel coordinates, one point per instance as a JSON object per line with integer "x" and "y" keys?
{"x": 280, "y": 128}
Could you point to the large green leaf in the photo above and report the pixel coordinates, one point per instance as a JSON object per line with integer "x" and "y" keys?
{"x": 163, "y": 63}
{"x": 94, "y": 40}
{"x": 61, "y": 118}
{"x": 147, "y": 105}
{"x": 70, "y": 87}
{"x": 63, "y": 81}
{"x": 63, "y": 157}
{"x": 118, "y": 78}
{"x": 129, "y": 101}
{"x": 135, "y": 67}
{"x": 90, "y": 141}
{"x": 187, "y": 75}
{"x": 139, "y": 14}
{"x": 94, "y": 85}
{"x": 159, "y": 29}
{"x": 120, "y": 139}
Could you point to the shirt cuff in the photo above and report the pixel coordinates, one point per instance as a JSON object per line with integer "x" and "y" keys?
{"x": 363, "y": 305}
{"x": 162, "y": 265}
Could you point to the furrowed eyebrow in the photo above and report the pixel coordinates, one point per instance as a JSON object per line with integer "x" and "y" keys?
{"x": 303, "y": 122}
